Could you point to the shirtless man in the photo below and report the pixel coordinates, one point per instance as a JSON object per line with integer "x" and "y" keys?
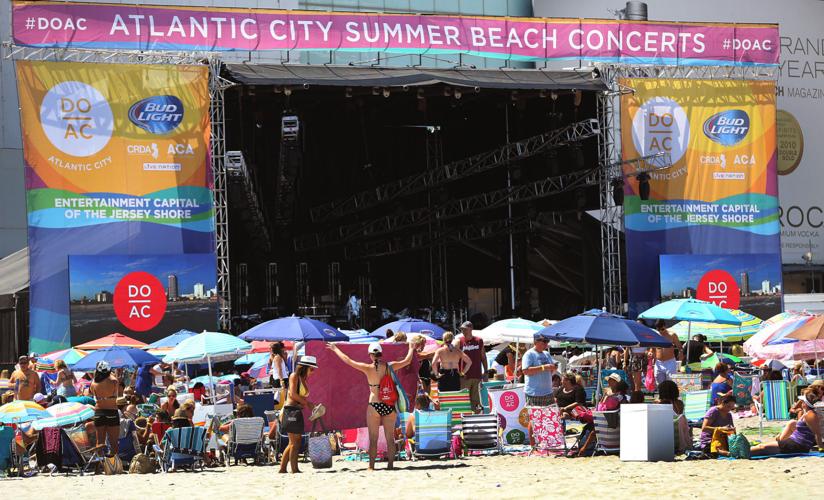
{"x": 446, "y": 364}
{"x": 25, "y": 381}
{"x": 378, "y": 413}
{"x": 665, "y": 358}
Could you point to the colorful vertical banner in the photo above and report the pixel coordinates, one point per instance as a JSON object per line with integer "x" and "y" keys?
{"x": 720, "y": 195}
{"x": 116, "y": 164}
{"x": 509, "y": 403}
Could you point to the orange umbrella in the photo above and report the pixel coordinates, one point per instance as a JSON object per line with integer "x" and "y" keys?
{"x": 260, "y": 346}
{"x": 811, "y": 330}
{"x": 115, "y": 339}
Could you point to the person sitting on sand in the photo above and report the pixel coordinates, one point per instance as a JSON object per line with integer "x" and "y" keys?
{"x": 669, "y": 394}
{"x": 805, "y": 437}
{"x": 379, "y": 413}
{"x": 722, "y": 383}
{"x": 719, "y": 417}
{"x": 446, "y": 365}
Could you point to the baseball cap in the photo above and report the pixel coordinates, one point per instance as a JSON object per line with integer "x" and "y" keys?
{"x": 539, "y": 336}
{"x": 615, "y": 377}
{"x": 374, "y": 348}
{"x": 39, "y": 398}
{"x": 466, "y": 324}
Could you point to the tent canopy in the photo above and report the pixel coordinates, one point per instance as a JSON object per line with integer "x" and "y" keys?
{"x": 14, "y": 272}
{"x": 357, "y": 76}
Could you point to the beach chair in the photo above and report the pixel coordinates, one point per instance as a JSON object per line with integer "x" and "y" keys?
{"x": 402, "y": 443}
{"x": 127, "y": 445}
{"x": 260, "y": 402}
{"x": 459, "y": 403}
{"x": 78, "y": 452}
{"x": 6, "y": 443}
{"x": 485, "y": 386}
{"x": 546, "y": 429}
{"x": 696, "y": 406}
{"x": 282, "y": 442}
{"x": 433, "y": 434}
{"x": 687, "y": 382}
{"x": 590, "y": 394}
{"x": 606, "y": 373}
{"x": 819, "y": 410}
{"x": 742, "y": 389}
{"x": 775, "y": 402}
{"x": 182, "y": 447}
{"x": 480, "y": 433}
{"x": 607, "y": 432}
{"x": 246, "y": 440}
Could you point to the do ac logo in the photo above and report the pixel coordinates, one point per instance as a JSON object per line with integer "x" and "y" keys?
{"x": 139, "y": 301}
{"x": 76, "y": 118}
{"x": 661, "y": 126}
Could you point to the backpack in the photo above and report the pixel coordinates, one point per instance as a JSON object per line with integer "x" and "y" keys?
{"x": 112, "y": 465}
{"x": 739, "y": 446}
{"x": 141, "y": 464}
{"x": 386, "y": 390}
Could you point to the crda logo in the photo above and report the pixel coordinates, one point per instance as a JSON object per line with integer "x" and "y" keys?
{"x": 143, "y": 149}
{"x": 661, "y": 126}
{"x": 719, "y": 160}
{"x": 76, "y": 118}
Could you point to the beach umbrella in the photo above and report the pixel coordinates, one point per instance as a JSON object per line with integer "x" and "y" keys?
{"x": 117, "y": 357}
{"x": 168, "y": 343}
{"x": 18, "y": 412}
{"x": 260, "y": 370}
{"x": 813, "y": 329}
{"x": 602, "y": 328}
{"x": 763, "y": 343}
{"x": 206, "y": 379}
{"x": 584, "y": 359}
{"x": 251, "y": 358}
{"x": 64, "y": 414}
{"x": 361, "y": 336}
{"x": 295, "y": 328}
{"x": 516, "y": 330}
{"x": 716, "y": 358}
{"x": 691, "y": 310}
{"x": 70, "y": 356}
{"x": 208, "y": 347}
{"x": 410, "y": 325}
{"x": 718, "y": 332}
{"x": 112, "y": 340}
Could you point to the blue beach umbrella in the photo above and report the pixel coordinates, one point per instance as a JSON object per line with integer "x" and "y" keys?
{"x": 172, "y": 340}
{"x": 117, "y": 357}
{"x": 602, "y": 328}
{"x": 410, "y": 325}
{"x": 295, "y": 328}
{"x": 252, "y": 358}
{"x": 691, "y": 310}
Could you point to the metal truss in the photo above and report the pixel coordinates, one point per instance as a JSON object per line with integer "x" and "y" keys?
{"x": 472, "y": 232}
{"x": 217, "y": 86}
{"x": 239, "y": 173}
{"x": 456, "y": 170}
{"x": 610, "y": 73}
{"x": 12, "y": 51}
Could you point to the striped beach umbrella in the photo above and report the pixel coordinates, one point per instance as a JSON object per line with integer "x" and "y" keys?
{"x": 112, "y": 340}
{"x": 21, "y": 411}
{"x": 64, "y": 414}
{"x": 69, "y": 356}
{"x": 718, "y": 332}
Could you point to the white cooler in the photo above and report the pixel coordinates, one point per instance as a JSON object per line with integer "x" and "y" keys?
{"x": 647, "y": 433}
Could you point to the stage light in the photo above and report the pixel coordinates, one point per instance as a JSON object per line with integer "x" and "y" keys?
{"x": 287, "y": 91}
{"x": 542, "y": 94}
{"x": 457, "y": 94}
{"x": 386, "y": 92}
{"x": 643, "y": 185}
{"x": 554, "y": 96}
{"x": 376, "y": 91}
{"x": 348, "y": 91}
{"x": 579, "y": 96}
{"x": 618, "y": 191}
{"x": 421, "y": 94}
{"x": 514, "y": 95}
{"x": 477, "y": 89}
{"x": 447, "y": 92}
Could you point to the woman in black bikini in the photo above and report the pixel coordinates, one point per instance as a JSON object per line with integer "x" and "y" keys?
{"x": 106, "y": 417}
{"x": 377, "y": 413}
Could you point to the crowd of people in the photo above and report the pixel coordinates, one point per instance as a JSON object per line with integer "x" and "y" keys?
{"x": 457, "y": 363}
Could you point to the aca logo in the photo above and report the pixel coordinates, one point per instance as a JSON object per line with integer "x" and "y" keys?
{"x": 139, "y": 301}
{"x": 727, "y": 128}
{"x": 76, "y": 118}
{"x": 158, "y": 114}
{"x": 661, "y": 126}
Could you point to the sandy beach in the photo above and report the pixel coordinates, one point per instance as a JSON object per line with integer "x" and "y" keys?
{"x": 496, "y": 476}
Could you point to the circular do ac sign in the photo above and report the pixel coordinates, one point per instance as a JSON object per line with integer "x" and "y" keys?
{"x": 139, "y": 301}
{"x": 719, "y": 287}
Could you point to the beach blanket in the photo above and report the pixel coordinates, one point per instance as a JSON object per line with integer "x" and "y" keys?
{"x": 816, "y": 454}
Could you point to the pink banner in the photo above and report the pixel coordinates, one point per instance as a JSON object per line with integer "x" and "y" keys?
{"x": 110, "y": 26}
{"x": 343, "y": 390}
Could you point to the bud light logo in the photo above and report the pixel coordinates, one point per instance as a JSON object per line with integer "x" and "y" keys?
{"x": 727, "y": 127}
{"x": 158, "y": 114}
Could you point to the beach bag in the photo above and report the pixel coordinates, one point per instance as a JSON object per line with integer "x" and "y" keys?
{"x": 141, "y": 464}
{"x": 739, "y": 446}
{"x": 320, "y": 448}
{"x": 649, "y": 380}
{"x": 112, "y": 465}
{"x": 386, "y": 389}
{"x": 402, "y": 402}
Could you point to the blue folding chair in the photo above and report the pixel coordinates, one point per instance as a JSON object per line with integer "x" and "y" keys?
{"x": 182, "y": 447}
{"x": 433, "y": 434}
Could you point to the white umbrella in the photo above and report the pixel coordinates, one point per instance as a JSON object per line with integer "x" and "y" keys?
{"x": 208, "y": 347}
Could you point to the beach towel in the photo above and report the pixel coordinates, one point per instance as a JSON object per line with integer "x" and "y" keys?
{"x": 776, "y": 404}
{"x": 816, "y": 454}
{"x": 742, "y": 389}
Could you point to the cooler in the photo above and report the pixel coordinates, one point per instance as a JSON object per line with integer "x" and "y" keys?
{"x": 647, "y": 433}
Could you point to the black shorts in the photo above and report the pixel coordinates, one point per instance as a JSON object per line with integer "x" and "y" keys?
{"x": 291, "y": 420}
{"x": 106, "y": 418}
{"x": 790, "y": 446}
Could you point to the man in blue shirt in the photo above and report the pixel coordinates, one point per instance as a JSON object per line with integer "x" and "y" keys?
{"x": 538, "y": 367}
